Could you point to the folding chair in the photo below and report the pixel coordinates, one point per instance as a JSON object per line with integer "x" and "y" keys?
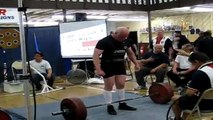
{"x": 207, "y": 95}
{"x": 16, "y": 68}
{"x": 17, "y": 84}
{"x": 17, "y": 65}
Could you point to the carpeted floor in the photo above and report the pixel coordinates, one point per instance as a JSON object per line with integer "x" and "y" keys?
{"x": 147, "y": 110}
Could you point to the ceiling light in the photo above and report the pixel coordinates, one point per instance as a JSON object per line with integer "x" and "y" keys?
{"x": 39, "y": 24}
{"x": 181, "y": 9}
{"x": 201, "y": 9}
{"x": 60, "y": 17}
{"x": 96, "y": 17}
{"x": 126, "y": 19}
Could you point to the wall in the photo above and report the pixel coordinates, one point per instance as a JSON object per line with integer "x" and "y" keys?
{"x": 133, "y": 26}
{"x": 203, "y": 21}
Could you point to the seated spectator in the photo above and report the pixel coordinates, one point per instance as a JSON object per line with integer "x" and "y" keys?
{"x": 154, "y": 62}
{"x": 182, "y": 70}
{"x": 201, "y": 81}
{"x": 44, "y": 68}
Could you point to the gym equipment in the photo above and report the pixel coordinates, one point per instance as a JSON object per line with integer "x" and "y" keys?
{"x": 76, "y": 76}
{"x": 4, "y": 115}
{"x": 46, "y": 88}
{"x": 75, "y": 109}
{"x": 163, "y": 92}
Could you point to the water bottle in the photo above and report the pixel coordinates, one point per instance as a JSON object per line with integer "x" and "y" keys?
{"x": 5, "y": 71}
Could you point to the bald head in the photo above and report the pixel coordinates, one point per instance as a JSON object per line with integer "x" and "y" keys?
{"x": 158, "y": 48}
{"x": 160, "y": 33}
{"x": 121, "y": 33}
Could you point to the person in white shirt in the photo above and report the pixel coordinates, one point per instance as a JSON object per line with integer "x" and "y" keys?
{"x": 182, "y": 69}
{"x": 44, "y": 67}
{"x": 164, "y": 41}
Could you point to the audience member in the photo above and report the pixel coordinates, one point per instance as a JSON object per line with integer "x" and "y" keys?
{"x": 182, "y": 69}
{"x": 44, "y": 67}
{"x": 204, "y": 45}
{"x": 178, "y": 41}
{"x": 153, "y": 62}
{"x": 164, "y": 41}
{"x": 201, "y": 81}
{"x": 202, "y": 35}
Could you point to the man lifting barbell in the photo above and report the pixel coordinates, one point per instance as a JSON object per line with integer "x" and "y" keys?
{"x": 112, "y": 66}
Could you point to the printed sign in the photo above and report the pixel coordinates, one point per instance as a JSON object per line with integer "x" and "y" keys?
{"x": 9, "y": 15}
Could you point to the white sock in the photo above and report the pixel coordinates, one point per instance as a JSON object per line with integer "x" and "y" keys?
{"x": 108, "y": 96}
{"x": 121, "y": 95}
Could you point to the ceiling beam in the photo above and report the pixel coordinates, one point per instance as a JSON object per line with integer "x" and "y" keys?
{"x": 8, "y": 3}
{"x": 176, "y": 4}
{"x": 162, "y": 6}
{"x": 184, "y": 3}
{"x": 133, "y": 6}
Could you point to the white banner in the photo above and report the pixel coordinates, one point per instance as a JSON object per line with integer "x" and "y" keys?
{"x": 9, "y": 15}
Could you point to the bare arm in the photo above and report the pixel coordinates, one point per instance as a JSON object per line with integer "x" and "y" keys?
{"x": 145, "y": 61}
{"x": 188, "y": 70}
{"x": 163, "y": 65}
{"x": 175, "y": 66}
{"x": 49, "y": 71}
{"x": 182, "y": 52}
{"x": 136, "y": 49}
{"x": 132, "y": 57}
{"x": 96, "y": 59}
{"x": 170, "y": 53}
{"x": 192, "y": 91}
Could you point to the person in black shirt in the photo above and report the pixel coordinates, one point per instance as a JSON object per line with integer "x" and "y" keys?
{"x": 201, "y": 81}
{"x": 112, "y": 66}
{"x": 179, "y": 41}
{"x": 154, "y": 62}
{"x": 205, "y": 45}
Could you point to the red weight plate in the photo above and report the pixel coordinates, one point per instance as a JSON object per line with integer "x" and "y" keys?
{"x": 4, "y": 116}
{"x": 169, "y": 89}
{"x": 76, "y": 108}
{"x": 160, "y": 93}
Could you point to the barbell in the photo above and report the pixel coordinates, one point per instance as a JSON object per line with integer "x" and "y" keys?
{"x": 75, "y": 109}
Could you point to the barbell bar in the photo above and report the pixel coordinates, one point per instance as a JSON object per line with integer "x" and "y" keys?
{"x": 75, "y": 109}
